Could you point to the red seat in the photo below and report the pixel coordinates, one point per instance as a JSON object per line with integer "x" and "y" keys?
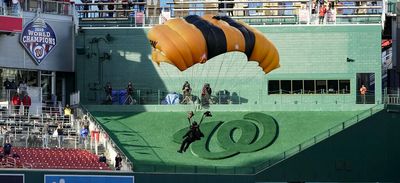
{"x": 58, "y": 159}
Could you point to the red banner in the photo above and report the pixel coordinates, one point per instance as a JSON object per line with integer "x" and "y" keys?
{"x": 10, "y": 24}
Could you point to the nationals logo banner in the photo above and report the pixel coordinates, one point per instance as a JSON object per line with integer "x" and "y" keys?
{"x": 38, "y": 39}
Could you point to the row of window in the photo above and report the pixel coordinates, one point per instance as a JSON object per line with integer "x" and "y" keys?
{"x": 308, "y": 86}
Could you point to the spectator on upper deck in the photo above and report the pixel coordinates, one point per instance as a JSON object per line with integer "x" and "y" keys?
{"x": 230, "y": 5}
{"x": 374, "y": 3}
{"x": 111, "y": 8}
{"x": 125, "y": 7}
{"x": 13, "y": 85}
{"x": 186, "y": 90}
{"x": 16, "y": 102}
{"x": 85, "y": 8}
{"x": 26, "y": 101}
{"x": 7, "y": 84}
{"x": 206, "y": 94}
{"x": 141, "y": 6}
{"x": 67, "y": 111}
{"x": 100, "y": 6}
{"x": 23, "y": 88}
{"x": 322, "y": 12}
{"x": 314, "y": 7}
{"x": 16, "y": 8}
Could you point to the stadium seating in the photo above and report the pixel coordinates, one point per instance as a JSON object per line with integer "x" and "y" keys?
{"x": 39, "y": 158}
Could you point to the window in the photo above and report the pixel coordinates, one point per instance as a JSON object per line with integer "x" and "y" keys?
{"x": 333, "y": 86}
{"x": 286, "y": 86}
{"x": 309, "y": 87}
{"x": 273, "y": 87}
{"x": 321, "y": 86}
{"x": 297, "y": 86}
{"x": 344, "y": 86}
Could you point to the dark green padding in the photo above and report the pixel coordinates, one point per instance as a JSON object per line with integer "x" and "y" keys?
{"x": 270, "y": 131}
{"x": 201, "y": 148}
{"x": 225, "y": 132}
{"x": 247, "y": 142}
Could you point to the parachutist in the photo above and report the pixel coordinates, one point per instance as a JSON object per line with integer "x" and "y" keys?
{"x": 192, "y": 135}
{"x": 194, "y": 132}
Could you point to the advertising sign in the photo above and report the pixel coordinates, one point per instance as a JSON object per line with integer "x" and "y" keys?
{"x": 87, "y": 179}
{"x": 39, "y": 39}
{"x": 10, "y": 24}
{"x": 12, "y": 178}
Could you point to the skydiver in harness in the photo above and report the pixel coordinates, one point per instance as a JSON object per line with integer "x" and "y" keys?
{"x": 194, "y": 132}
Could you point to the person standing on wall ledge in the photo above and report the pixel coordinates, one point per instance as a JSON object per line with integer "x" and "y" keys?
{"x": 363, "y": 91}
{"x": 26, "y": 101}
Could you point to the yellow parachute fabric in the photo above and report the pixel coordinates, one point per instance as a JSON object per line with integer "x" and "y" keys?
{"x": 264, "y": 51}
{"x": 184, "y": 44}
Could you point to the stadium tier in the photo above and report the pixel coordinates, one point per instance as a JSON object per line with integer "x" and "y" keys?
{"x": 38, "y": 158}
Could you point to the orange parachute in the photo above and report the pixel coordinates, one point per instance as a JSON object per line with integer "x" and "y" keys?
{"x": 184, "y": 42}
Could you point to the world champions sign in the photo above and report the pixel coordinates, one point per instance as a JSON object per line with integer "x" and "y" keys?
{"x": 39, "y": 39}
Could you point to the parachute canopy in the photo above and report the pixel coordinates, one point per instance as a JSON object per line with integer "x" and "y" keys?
{"x": 184, "y": 42}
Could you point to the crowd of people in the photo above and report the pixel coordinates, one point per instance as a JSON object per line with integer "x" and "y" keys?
{"x": 129, "y": 95}
{"x": 11, "y": 7}
{"x": 43, "y": 134}
{"x": 327, "y": 10}
{"x": 107, "y": 8}
{"x": 20, "y": 98}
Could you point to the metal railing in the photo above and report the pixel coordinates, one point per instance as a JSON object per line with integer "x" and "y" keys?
{"x": 81, "y": 112}
{"x": 159, "y": 97}
{"x": 35, "y": 139}
{"x": 10, "y": 9}
{"x": 74, "y": 98}
{"x": 137, "y": 19}
{"x": 42, "y": 6}
{"x": 48, "y": 7}
{"x": 252, "y": 12}
{"x": 26, "y": 130}
{"x": 391, "y": 7}
{"x": 222, "y": 96}
{"x": 391, "y": 96}
{"x": 109, "y": 10}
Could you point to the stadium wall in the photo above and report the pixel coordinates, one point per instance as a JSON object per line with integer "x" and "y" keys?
{"x": 38, "y": 176}
{"x": 366, "y": 152}
{"x": 13, "y": 54}
{"x": 306, "y": 53}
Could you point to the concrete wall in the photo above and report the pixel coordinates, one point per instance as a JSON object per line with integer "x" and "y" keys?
{"x": 37, "y": 176}
{"x": 61, "y": 58}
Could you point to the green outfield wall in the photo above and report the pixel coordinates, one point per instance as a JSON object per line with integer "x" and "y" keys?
{"x": 366, "y": 152}
{"x": 324, "y": 53}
